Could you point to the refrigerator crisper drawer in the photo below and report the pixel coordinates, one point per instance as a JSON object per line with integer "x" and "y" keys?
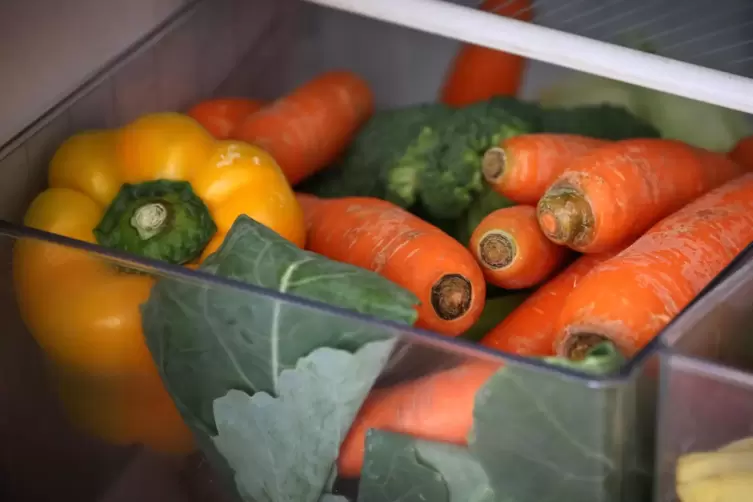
{"x": 706, "y": 390}
{"x": 560, "y": 436}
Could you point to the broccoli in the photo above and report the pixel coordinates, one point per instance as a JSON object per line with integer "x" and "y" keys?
{"x": 441, "y": 168}
{"x": 597, "y": 121}
{"x": 487, "y": 201}
{"x": 427, "y": 157}
{"x": 362, "y": 169}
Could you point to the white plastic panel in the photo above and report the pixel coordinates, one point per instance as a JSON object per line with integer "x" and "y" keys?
{"x": 714, "y": 39}
{"x": 48, "y": 49}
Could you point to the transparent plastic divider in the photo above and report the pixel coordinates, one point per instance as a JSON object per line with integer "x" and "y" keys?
{"x": 565, "y": 46}
{"x": 562, "y": 434}
{"x": 706, "y": 391}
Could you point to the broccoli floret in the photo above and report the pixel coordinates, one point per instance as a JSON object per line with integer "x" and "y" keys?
{"x": 404, "y": 176}
{"x": 363, "y": 168}
{"x": 484, "y": 203}
{"x": 597, "y": 121}
{"x": 448, "y": 186}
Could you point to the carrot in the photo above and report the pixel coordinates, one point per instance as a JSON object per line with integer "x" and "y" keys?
{"x": 522, "y": 167}
{"x": 615, "y": 193}
{"x": 382, "y": 237}
{"x": 306, "y": 130}
{"x": 531, "y": 328}
{"x": 221, "y": 116}
{"x": 479, "y": 73}
{"x": 437, "y": 407}
{"x": 631, "y": 297}
{"x": 743, "y": 152}
{"x": 512, "y": 251}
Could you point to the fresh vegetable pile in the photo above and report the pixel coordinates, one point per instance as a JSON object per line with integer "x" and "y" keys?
{"x": 570, "y": 233}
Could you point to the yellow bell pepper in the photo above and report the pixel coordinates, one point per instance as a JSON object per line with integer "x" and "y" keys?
{"x": 160, "y": 187}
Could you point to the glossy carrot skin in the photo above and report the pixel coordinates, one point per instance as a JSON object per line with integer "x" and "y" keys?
{"x": 512, "y": 235}
{"x": 630, "y": 298}
{"x": 531, "y": 328}
{"x": 524, "y": 166}
{"x": 380, "y": 236}
{"x": 220, "y": 116}
{"x": 307, "y": 129}
{"x": 479, "y": 73}
{"x": 621, "y": 189}
{"x": 437, "y": 407}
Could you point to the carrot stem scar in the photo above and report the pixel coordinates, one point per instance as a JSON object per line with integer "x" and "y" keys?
{"x": 451, "y": 296}
{"x": 565, "y": 216}
{"x": 493, "y": 164}
{"x": 496, "y": 250}
{"x": 578, "y": 345}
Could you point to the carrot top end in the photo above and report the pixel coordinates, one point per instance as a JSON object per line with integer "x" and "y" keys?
{"x": 496, "y": 250}
{"x": 578, "y": 345}
{"x": 565, "y": 216}
{"x": 451, "y": 296}
{"x": 493, "y": 165}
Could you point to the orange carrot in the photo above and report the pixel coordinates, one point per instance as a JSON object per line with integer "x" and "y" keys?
{"x": 437, "y": 407}
{"x": 743, "y": 152}
{"x": 512, "y": 251}
{"x": 631, "y": 297}
{"x": 610, "y": 196}
{"x": 222, "y": 115}
{"x": 522, "y": 167}
{"x": 382, "y": 237}
{"x": 479, "y": 73}
{"x": 307, "y": 129}
{"x": 531, "y": 328}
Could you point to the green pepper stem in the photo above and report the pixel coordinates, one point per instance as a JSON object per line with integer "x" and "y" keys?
{"x": 160, "y": 219}
{"x": 150, "y": 219}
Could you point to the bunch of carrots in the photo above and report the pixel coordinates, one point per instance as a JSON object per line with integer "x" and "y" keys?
{"x": 615, "y": 237}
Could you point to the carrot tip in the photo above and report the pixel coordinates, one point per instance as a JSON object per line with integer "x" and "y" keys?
{"x": 496, "y": 250}
{"x": 451, "y": 296}
{"x": 565, "y": 217}
{"x": 493, "y": 165}
{"x": 577, "y": 345}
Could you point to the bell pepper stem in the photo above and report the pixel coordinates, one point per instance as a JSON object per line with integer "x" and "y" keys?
{"x": 161, "y": 219}
{"x": 150, "y": 219}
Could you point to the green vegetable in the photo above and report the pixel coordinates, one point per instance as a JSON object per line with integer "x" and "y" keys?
{"x": 487, "y": 201}
{"x": 553, "y": 443}
{"x": 696, "y": 123}
{"x": 597, "y": 121}
{"x": 444, "y": 172}
{"x": 283, "y": 448}
{"x": 163, "y": 220}
{"x": 223, "y": 352}
{"x": 399, "y": 467}
{"x": 495, "y": 310}
{"x": 380, "y": 144}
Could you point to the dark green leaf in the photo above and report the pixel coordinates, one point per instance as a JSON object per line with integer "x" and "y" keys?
{"x": 542, "y": 439}
{"x": 208, "y": 340}
{"x": 401, "y": 467}
{"x": 327, "y": 497}
{"x": 282, "y": 449}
